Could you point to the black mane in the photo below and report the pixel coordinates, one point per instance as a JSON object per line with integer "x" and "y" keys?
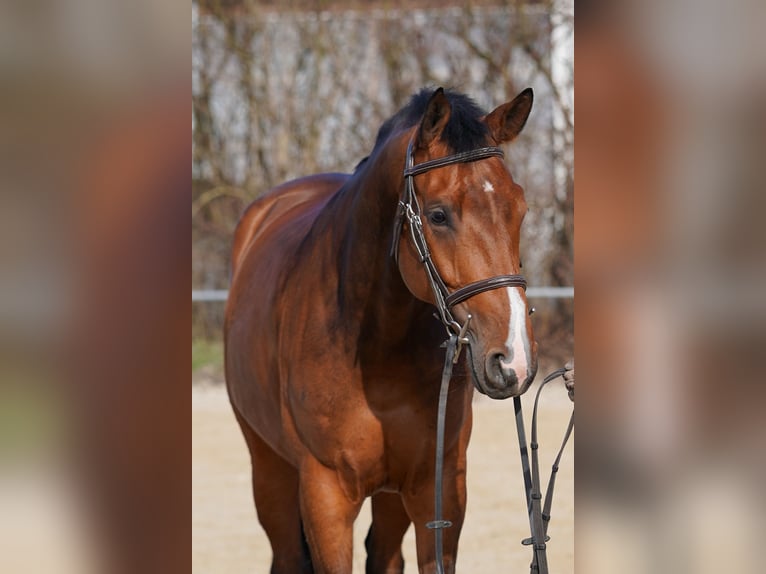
{"x": 464, "y": 130}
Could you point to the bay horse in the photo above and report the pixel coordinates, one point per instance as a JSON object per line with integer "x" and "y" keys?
{"x": 332, "y": 348}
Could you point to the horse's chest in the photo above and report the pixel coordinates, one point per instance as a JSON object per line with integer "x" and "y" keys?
{"x": 331, "y": 423}
{"x": 377, "y": 432}
{"x": 347, "y": 433}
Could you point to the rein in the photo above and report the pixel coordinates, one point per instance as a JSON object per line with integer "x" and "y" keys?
{"x": 409, "y": 210}
{"x": 539, "y": 516}
{"x": 539, "y": 513}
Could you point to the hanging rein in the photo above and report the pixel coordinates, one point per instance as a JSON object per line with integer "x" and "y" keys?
{"x": 409, "y": 210}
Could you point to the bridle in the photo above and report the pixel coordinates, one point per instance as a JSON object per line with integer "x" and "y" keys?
{"x": 409, "y": 210}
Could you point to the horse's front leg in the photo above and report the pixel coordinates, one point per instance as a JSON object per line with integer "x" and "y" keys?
{"x": 419, "y": 502}
{"x": 384, "y": 539}
{"x": 328, "y": 514}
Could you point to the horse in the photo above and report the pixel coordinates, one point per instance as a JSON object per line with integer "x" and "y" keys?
{"x": 332, "y": 346}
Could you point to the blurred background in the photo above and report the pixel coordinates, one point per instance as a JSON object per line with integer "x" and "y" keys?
{"x": 94, "y": 286}
{"x": 671, "y": 276}
{"x": 286, "y": 89}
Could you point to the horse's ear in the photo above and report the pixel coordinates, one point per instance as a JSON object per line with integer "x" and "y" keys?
{"x": 506, "y": 121}
{"x": 435, "y": 118}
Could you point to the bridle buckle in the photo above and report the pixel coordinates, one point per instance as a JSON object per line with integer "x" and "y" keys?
{"x": 461, "y": 333}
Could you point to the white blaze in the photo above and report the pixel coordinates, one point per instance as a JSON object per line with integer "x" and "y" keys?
{"x": 488, "y": 187}
{"x": 516, "y": 344}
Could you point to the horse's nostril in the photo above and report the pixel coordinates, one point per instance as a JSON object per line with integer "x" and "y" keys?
{"x": 498, "y": 369}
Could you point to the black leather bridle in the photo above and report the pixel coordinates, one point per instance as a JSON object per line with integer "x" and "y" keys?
{"x": 409, "y": 210}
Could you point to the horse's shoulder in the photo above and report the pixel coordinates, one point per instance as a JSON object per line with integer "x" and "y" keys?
{"x": 281, "y": 204}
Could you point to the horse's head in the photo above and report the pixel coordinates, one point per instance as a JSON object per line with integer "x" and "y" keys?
{"x": 471, "y": 212}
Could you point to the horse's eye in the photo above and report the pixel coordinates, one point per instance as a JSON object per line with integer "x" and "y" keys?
{"x": 437, "y": 217}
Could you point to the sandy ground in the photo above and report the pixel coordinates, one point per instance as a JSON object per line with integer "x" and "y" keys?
{"x": 227, "y": 538}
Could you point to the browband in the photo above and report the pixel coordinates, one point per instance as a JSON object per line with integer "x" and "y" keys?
{"x": 466, "y": 156}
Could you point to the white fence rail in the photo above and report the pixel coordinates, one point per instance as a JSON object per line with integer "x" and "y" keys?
{"x": 203, "y": 295}
{"x": 209, "y": 295}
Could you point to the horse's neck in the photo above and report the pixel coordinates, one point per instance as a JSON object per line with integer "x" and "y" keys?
{"x": 372, "y": 292}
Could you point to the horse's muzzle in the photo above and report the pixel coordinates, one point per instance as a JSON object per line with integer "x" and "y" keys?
{"x": 499, "y": 378}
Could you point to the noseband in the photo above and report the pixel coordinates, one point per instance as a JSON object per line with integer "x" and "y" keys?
{"x": 409, "y": 209}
